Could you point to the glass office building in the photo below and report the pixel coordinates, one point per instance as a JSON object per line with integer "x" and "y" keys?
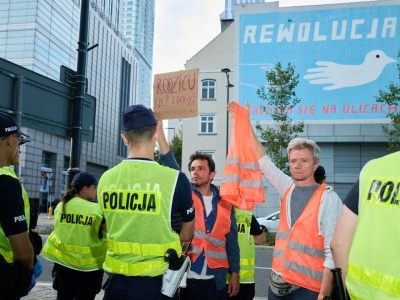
{"x": 41, "y": 36}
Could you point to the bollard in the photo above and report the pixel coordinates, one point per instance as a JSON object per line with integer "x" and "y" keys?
{"x": 50, "y": 213}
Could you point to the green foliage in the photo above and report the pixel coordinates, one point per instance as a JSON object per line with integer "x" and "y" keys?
{"x": 270, "y": 238}
{"x": 392, "y": 98}
{"x": 281, "y": 95}
{"x": 176, "y": 146}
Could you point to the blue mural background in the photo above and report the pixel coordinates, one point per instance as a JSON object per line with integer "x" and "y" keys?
{"x": 345, "y": 47}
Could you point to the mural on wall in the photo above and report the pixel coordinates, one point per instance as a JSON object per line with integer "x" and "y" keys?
{"x": 344, "y": 56}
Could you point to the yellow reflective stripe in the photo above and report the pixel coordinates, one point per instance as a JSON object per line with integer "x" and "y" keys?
{"x": 70, "y": 248}
{"x": 145, "y": 268}
{"x": 246, "y": 274}
{"x": 141, "y": 249}
{"x": 354, "y": 297}
{"x": 62, "y": 256}
{"x": 375, "y": 279}
{"x": 247, "y": 261}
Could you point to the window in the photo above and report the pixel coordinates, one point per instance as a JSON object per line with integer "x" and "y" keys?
{"x": 207, "y": 123}
{"x": 208, "y": 89}
{"x": 210, "y": 152}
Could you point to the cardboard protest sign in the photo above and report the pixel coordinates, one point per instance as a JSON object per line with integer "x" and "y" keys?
{"x": 175, "y": 94}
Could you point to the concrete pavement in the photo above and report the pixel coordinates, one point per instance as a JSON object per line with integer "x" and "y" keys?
{"x": 44, "y": 290}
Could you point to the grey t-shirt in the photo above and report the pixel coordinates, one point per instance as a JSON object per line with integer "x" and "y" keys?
{"x": 300, "y": 198}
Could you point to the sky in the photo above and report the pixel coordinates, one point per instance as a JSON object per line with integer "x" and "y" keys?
{"x": 182, "y": 28}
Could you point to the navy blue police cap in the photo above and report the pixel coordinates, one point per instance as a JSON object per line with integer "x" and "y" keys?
{"x": 137, "y": 116}
{"x": 319, "y": 173}
{"x": 83, "y": 179}
{"x": 9, "y": 127}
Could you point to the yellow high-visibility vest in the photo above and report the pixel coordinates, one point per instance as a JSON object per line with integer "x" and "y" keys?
{"x": 75, "y": 241}
{"x": 374, "y": 266}
{"x": 5, "y": 246}
{"x": 246, "y": 246}
{"x": 136, "y": 199}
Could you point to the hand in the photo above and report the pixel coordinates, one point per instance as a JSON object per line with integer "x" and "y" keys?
{"x": 31, "y": 285}
{"x": 233, "y": 285}
{"x": 232, "y": 106}
{"x": 37, "y": 269}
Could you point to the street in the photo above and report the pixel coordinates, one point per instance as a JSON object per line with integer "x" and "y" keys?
{"x": 262, "y": 270}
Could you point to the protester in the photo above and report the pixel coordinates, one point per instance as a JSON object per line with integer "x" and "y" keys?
{"x": 77, "y": 245}
{"x": 138, "y": 198}
{"x": 215, "y": 232}
{"x": 250, "y": 233}
{"x": 17, "y": 277}
{"x": 366, "y": 239}
{"x": 319, "y": 175}
{"x": 302, "y": 256}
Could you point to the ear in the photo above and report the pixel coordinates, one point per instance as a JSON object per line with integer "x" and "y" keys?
{"x": 212, "y": 175}
{"x": 156, "y": 136}
{"x": 124, "y": 139}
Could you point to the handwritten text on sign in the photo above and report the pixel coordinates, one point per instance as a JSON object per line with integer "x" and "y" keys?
{"x": 175, "y": 94}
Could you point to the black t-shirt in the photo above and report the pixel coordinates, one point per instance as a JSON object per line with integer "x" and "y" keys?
{"x": 352, "y": 197}
{"x": 12, "y": 214}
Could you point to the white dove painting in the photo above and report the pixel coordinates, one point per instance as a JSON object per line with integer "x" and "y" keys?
{"x": 341, "y": 76}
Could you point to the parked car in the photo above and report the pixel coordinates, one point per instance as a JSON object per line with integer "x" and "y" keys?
{"x": 270, "y": 223}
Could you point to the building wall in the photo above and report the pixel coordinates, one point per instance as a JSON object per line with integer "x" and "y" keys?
{"x": 345, "y": 148}
{"x": 42, "y": 35}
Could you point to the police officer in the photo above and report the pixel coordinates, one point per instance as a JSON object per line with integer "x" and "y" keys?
{"x": 15, "y": 246}
{"x": 77, "y": 245}
{"x": 138, "y": 198}
{"x": 250, "y": 233}
{"x": 366, "y": 240}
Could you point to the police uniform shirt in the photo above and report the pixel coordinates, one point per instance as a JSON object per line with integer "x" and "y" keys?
{"x": 12, "y": 214}
{"x": 351, "y": 200}
{"x": 255, "y": 228}
{"x": 181, "y": 203}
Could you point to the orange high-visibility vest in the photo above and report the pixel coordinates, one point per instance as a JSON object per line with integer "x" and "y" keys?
{"x": 299, "y": 251}
{"x": 242, "y": 181}
{"x": 213, "y": 243}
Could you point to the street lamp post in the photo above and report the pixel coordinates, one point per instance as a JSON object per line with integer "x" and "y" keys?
{"x": 228, "y": 85}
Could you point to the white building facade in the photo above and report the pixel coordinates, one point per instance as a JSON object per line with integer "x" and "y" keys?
{"x": 349, "y": 135}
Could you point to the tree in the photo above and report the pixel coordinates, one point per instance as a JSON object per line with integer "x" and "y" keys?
{"x": 281, "y": 96}
{"x": 176, "y": 146}
{"x": 392, "y": 98}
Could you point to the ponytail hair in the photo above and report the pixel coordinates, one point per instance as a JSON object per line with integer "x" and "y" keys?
{"x": 68, "y": 196}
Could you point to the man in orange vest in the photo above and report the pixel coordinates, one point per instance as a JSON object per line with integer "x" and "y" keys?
{"x": 214, "y": 249}
{"x": 302, "y": 257}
